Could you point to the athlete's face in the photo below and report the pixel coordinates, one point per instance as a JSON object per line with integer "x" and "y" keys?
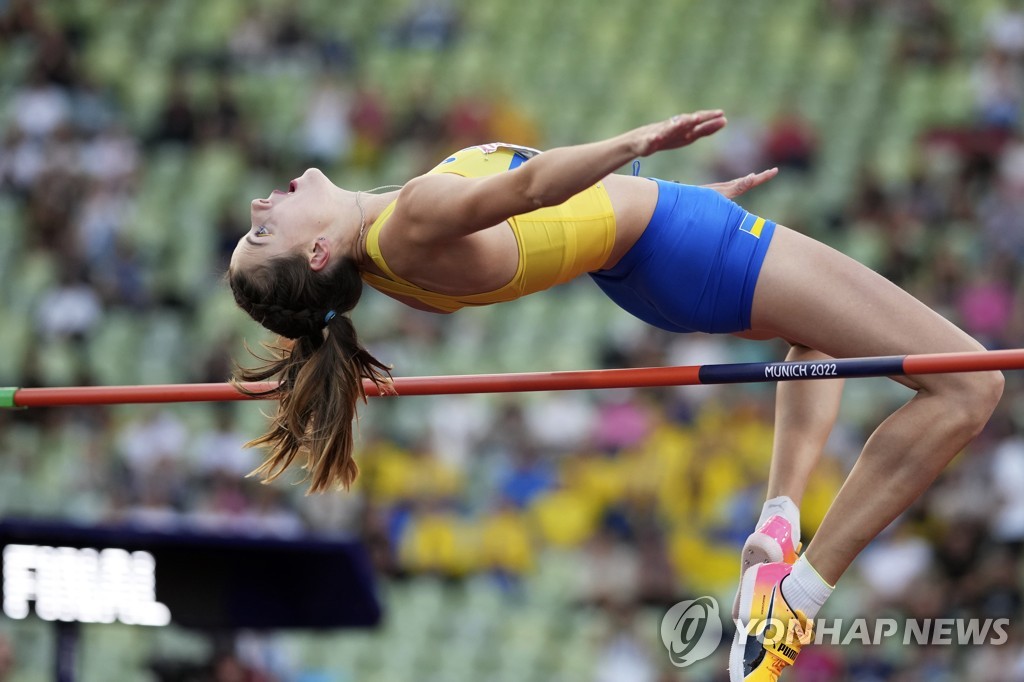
{"x": 289, "y": 221}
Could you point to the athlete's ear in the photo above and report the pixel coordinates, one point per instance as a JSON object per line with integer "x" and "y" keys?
{"x": 321, "y": 255}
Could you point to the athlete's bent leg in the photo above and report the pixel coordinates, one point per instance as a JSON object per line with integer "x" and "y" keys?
{"x": 817, "y": 297}
{"x": 805, "y": 412}
{"x": 813, "y": 295}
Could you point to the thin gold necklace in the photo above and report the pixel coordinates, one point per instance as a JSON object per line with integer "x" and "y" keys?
{"x": 359, "y": 205}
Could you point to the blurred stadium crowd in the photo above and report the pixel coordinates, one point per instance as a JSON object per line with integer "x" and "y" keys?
{"x": 529, "y": 537}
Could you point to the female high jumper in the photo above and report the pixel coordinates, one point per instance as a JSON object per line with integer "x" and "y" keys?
{"x": 497, "y": 222}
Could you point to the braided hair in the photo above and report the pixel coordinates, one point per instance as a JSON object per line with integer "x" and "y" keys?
{"x": 320, "y": 365}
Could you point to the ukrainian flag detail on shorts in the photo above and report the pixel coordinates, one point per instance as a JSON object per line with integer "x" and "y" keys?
{"x": 752, "y": 224}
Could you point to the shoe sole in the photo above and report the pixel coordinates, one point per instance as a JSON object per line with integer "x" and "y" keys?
{"x": 759, "y": 548}
{"x": 739, "y": 639}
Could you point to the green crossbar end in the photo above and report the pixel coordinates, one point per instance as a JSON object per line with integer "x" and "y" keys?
{"x": 7, "y": 397}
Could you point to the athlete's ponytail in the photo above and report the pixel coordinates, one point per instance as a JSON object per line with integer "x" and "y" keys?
{"x": 319, "y": 364}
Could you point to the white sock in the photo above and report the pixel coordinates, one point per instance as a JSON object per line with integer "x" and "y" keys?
{"x": 785, "y": 507}
{"x": 804, "y": 589}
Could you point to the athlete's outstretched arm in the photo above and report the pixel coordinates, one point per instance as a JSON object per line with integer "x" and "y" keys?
{"x": 444, "y": 206}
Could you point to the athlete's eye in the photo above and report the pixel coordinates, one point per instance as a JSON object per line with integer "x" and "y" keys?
{"x": 261, "y": 231}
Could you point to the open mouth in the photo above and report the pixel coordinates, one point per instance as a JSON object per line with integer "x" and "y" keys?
{"x": 291, "y": 188}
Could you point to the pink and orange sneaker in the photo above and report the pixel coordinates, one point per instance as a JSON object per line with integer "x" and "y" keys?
{"x": 769, "y": 634}
{"x": 771, "y": 543}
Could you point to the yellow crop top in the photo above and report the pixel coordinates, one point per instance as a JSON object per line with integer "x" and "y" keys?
{"x": 556, "y": 243}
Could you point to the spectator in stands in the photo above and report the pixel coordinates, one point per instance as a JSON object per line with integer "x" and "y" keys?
{"x": 624, "y": 655}
{"x": 54, "y": 56}
{"x": 742, "y": 150}
{"x": 326, "y": 132}
{"x": 657, "y": 584}
{"x": 178, "y": 121}
{"x": 19, "y": 18}
{"x": 610, "y": 573}
{"x": 70, "y": 310}
{"x": 39, "y": 107}
{"x": 124, "y": 282}
{"x": 623, "y": 420}
{"x": 93, "y": 110}
{"x": 1004, "y": 29}
{"x": 291, "y": 37}
{"x": 926, "y": 32}
{"x": 428, "y": 24}
{"x": 221, "y": 449}
{"x": 790, "y": 142}
{"x": 509, "y": 121}
{"x": 468, "y": 120}
{"x": 506, "y": 545}
{"x": 987, "y": 303}
{"x": 1007, "y": 480}
{"x": 250, "y": 42}
{"x": 999, "y": 214}
{"x": 154, "y": 502}
{"x": 110, "y": 156}
{"x": 895, "y": 563}
{"x": 223, "y": 119}
{"x": 996, "y": 81}
{"x": 22, "y": 161}
{"x": 270, "y": 511}
{"x": 99, "y": 222}
{"x": 420, "y": 125}
{"x": 529, "y": 475}
{"x": 370, "y": 120}
{"x": 228, "y": 667}
{"x": 436, "y": 542}
{"x": 157, "y": 435}
{"x": 994, "y": 590}
{"x": 222, "y": 505}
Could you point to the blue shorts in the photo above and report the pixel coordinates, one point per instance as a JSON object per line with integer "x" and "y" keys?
{"x": 695, "y": 267}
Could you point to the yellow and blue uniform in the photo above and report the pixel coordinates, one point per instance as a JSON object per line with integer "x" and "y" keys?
{"x": 694, "y": 268}
{"x": 556, "y": 243}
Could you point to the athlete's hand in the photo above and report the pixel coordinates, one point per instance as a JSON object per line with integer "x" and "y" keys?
{"x": 677, "y": 131}
{"x": 734, "y": 188}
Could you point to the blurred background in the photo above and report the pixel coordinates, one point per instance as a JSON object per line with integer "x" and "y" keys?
{"x": 530, "y": 537}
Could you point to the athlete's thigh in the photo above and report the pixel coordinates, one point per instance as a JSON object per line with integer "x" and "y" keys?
{"x": 811, "y": 294}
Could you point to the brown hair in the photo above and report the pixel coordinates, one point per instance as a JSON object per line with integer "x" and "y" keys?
{"x": 320, "y": 366}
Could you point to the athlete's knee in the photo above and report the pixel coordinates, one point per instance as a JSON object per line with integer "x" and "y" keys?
{"x": 973, "y": 397}
{"x": 983, "y": 392}
{"x": 987, "y": 392}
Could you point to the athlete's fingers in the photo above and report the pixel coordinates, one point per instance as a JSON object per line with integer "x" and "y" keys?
{"x": 761, "y": 178}
{"x": 683, "y": 123}
{"x": 679, "y": 131}
{"x": 697, "y": 116}
{"x": 738, "y": 186}
{"x": 709, "y": 127}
